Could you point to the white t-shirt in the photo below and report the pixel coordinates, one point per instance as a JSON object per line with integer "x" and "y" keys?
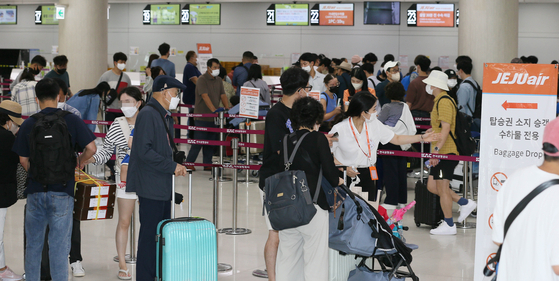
{"x": 531, "y": 245}
{"x": 317, "y": 82}
{"x": 349, "y": 153}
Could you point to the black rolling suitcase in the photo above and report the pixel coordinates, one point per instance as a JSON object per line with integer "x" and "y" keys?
{"x": 427, "y": 207}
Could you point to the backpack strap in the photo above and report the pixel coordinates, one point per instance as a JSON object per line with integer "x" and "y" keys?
{"x": 289, "y": 161}
{"x": 456, "y": 107}
{"x": 515, "y": 212}
{"x": 477, "y": 89}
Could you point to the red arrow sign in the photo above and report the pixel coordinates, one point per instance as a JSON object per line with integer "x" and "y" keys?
{"x": 507, "y": 105}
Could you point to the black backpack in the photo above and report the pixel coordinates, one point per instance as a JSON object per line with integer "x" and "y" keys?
{"x": 52, "y": 159}
{"x": 462, "y": 135}
{"x": 479, "y": 93}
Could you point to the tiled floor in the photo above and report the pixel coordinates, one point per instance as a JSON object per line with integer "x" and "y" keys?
{"x": 438, "y": 258}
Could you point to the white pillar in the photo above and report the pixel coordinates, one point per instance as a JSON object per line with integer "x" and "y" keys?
{"x": 83, "y": 37}
{"x": 488, "y": 32}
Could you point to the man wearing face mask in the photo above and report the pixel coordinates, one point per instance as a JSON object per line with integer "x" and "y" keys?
{"x": 443, "y": 121}
{"x": 392, "y": 70}
{"x": 151, "y": 168}
{"x": 62, "y": 98}
{"x": 209, "y": 92}
{"x": 37, "y": 64}
{"x": 118, "y": 80}
{"x": 316, "y": 79}
{"x": 467, "y": 93}
{"x": 59, "y": 71}
{"x": 452, "y": 83}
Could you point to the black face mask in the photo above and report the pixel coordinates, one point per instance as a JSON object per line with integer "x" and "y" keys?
{"x": 61, "y": 71}
{"x": 34, "y": 71}
{"x": 334, "y": 89}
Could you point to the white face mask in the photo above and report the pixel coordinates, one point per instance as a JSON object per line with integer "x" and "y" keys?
{"x": 60, "y": 105}
{"x": 215, "y": 72}
{"x": 429, "y": 89}
{"x": 357, "y": 86}
{"x": 315, "y": 68}
{"x": 174, "y": 102}
{"x": 129, "y": 110}
{"x": 121, "y": 66}
{"x": 306, "y": 68}
{"x": 455, "y": 67}
{"x": 372, "y": 117}
{"x": 13, "y": 128}
{"x": 396, "y": 77}
{"x": 452, "y": 83}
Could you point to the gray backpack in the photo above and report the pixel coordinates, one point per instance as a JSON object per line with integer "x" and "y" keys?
{"x": 287, "y": 196}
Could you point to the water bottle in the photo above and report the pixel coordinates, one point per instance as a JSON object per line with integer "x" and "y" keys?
{"x": 427, "y": 164}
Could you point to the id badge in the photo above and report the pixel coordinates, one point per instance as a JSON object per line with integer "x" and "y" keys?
{"x": 374, "y": 174}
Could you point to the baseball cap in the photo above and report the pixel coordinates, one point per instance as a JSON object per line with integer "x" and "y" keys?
{"x": 163, "y": 82}
{"x": 390, "y": 64}
{"x": 551, "y": 136}
{"x": 13, "y": 110}
{"x": 437, "y": 79}
{"x": 451, "y": 73}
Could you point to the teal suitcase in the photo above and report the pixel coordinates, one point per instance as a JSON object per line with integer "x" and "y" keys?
{"x": 186, "y": 250}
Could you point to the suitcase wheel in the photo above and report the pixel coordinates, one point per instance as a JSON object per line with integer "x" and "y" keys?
{"x": 417, "y": 224}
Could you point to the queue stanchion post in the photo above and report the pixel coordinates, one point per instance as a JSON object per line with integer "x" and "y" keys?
{"x": 221, "y": 121}
{"x": 466, "y": 184}
{"x": 189, "y": 192}
{"x": 247, "y": 151}
{"x": 221, "y": 267}
{"x": 131, "y": 258}
{"x": 235, "y": 230}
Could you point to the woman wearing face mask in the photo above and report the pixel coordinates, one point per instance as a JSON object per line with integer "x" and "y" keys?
{"x": 359, "y": 82}
{"x": 117, "y": 137}
{"x": 10, "y": 119}
{"x": 359, "y": 135}
{"x": 87, "y": 102}
{"x": 329, "y": 101}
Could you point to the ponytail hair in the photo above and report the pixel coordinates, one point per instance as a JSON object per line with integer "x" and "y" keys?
{"x": 101, "y": 89}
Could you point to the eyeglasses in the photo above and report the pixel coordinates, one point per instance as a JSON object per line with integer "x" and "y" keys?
{"x": 394, "y": 70}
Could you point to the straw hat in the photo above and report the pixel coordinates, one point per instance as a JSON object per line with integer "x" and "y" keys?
{"x": 437, "y": 79}
{"x": 345, "y": 65}
{"x": 13, "y": 109}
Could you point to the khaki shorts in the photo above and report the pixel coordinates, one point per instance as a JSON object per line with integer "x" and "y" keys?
{"x": 265, "y": 213}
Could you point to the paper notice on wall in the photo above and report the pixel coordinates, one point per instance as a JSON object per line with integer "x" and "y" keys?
{"x": 54, "y": 50}
{"x": 519, "y": 100}
{"x": 444, "y": 62}
{"x": 134, "y": 51}
{"x": 295, "y": 57}
{"x": 315, "y": 95}
{"x": 404, "y": 64}
{"x": 173, "y": 51}
{"x": 249, "y": 104}
{"x": 204, "y": 54}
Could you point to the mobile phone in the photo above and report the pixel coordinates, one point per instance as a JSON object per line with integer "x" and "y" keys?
{"x": 335, "y": 135}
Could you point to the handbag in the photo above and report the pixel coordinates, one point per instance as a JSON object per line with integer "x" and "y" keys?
{"x": 21, "y": 177}
{"x": 487, "y": 271}
{"x": 364, "y": 273}
{"x": 287, "y": 196}
{"x": 355, "y": 231}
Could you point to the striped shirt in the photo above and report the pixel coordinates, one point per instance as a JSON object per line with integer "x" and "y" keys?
{"x": 115, "y": 139}
{"x": 24, "y": 94}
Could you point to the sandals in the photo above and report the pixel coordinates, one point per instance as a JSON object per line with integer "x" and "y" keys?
{"x": 127, "y": 272}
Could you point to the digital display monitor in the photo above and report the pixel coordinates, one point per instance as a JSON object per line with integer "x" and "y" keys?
{"x": 201, "y": 14}
{"x": 8, "y": 14}
{"x": 438, "y": 15}
{"x": 46, "y": 15}
{"x": 287, "y": 14}
{"x": 332, "y": 14}
{"x": 381, "y": 13}
{"x": 162, "y": 14}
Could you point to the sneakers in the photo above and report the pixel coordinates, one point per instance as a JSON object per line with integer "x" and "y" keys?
{"x": 77, "y": 269}
{"x": 444, "y": 229}
{"x": 9, "y": 275}
{"x": 260, "y": 273}
{"x": 466, "y": 210}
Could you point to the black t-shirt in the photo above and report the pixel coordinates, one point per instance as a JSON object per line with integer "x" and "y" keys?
{"x": 277, "y": 125}
{"x": 316, "y": 147}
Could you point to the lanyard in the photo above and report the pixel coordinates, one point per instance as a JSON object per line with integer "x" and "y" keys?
{"x": 357, "y": 140}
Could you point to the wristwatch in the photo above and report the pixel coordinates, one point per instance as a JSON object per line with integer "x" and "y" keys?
{"x": 436, "y": 149}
